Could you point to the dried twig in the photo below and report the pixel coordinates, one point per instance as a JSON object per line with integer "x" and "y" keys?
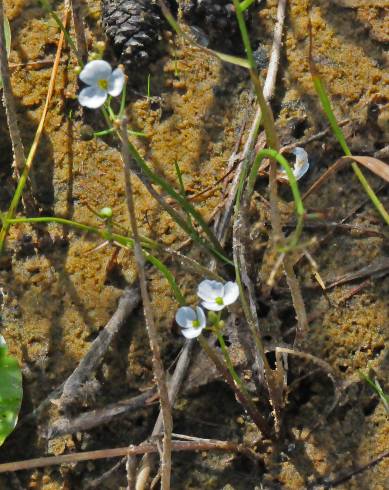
{"x": 131, "y": 472}
{"x": 34, "y": 146}
{"x": 174, "y": 387}
{"x": 74, "y": 384}
{"x": 9, "y": 103}
{"x": 158, "y": 369}
{"x": 94, "y": 418}
{"x": 79, "y": 29}
{"x": 348, "y": 476}
{"x": 240, "y": 227}
{"x": 195, "y": 445}
{"x": 314, "y": 137}
{"x": 377, "y": 268}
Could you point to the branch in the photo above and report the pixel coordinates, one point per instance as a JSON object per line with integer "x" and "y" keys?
{"x": 9, "y": 103}
{"x": 158, "y": 369}
{"x": 74, "y": 384}
{"x": 144, "y": 448}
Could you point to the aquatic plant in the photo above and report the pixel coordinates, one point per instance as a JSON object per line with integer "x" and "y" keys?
{"x": 216, "y": 296}
{"x": 192, "y": 321}
{"x": 102, "y": 81}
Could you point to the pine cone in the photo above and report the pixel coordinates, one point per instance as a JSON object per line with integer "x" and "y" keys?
{"x": 135, "y": 27}
{"x": 216, "y": 17}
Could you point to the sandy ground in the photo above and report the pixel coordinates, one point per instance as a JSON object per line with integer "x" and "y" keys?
{"x": 59, "y": 293}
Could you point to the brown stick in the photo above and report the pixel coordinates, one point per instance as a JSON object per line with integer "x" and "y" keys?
{"x": 9, "y": 103}
{"x": 357, "y": 471}
{"x": 93, "y": 418}
{"x": 74, "y": 384}
{"x": 174, "y": 387}
{"x": 79, "y": 29}
{"x": 200, "y": 445}
{"x": 158, "y": 369}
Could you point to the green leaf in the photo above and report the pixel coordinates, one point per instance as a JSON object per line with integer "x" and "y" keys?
{"x": 11, "y": 391}
{"x": 245, "y": 4}
{"x": 7, "y": 33}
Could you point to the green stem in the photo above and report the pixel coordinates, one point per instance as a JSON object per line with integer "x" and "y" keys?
{"x": 45, "y": 4}
{"x": 187, "y": 207}
{"x": 230, "y": 366}
{"x": 326, "y": 104}
{"x": 104, "y": 234}
{"x": 124, "y": 241}
{"x": 245, "y": 4}
{"x": 267, "y": 114}
{"x": 300, "y": 210}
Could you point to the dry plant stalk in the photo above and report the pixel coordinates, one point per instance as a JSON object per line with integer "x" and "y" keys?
{"x": 144, "y": 448}
{"x": 174, "y": 386}
{"x": 79, "y": 29}
{"x": 9, "y": 103}
{"x": 34, "y": 146}
{"x": 93, "y": 358}
{"x": 158, "y": 369}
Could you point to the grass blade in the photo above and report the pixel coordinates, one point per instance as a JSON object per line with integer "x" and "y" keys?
{"x": 338, "y": 133}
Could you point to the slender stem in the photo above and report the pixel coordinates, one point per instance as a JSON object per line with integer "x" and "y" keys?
{"x": 9, "y": 102}
{"x": 28, "y": 165}
{"x": 144, "y": 448}
{"x": 103, "y": 233}
{"x": 158, "y": 369}
{"x": 267, "y": 114}
{"x": 230, "y": 366}
{"x": 62, "y": 26}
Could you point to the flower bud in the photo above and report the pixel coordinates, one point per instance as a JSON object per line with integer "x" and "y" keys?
{"x": 106, "y": 213}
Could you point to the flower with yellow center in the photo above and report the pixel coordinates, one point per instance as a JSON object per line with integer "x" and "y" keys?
{"x": 216, "y": 295}
{"x": 101, "y": 81}
{"x": 192, "y": 321}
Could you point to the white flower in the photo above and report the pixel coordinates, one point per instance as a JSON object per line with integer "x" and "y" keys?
{"x": 191, "y": 321}
{"x": 216, "y": 296}
{"x": 102, "y": 81}
{"x": 301, "y": 165}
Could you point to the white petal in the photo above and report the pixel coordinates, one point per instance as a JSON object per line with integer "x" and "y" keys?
{"x": 231, "y": 293}
{"x": 3, "y": 343}
{"x": 209, "y": 290}
{"x": 191, "y": 333}
{"x": 301, "y": 171}
{"x": 300, "y": 153}
{"x": 201, "y": 317}
{"x": 94, "y": 71}
{"x": 116, "y": 82}
{"x": 185, "y": 316}
{"x": 92, "y": 97}
{"x": 211, "y": 305}
{"x": 302, "y": 164}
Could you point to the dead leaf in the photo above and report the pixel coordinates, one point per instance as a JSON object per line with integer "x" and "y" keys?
{"x": 376, "y": 166}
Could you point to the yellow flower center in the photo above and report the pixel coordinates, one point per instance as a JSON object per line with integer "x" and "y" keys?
{"x": 219, "y": 301}
{"x": 103, "y": 84}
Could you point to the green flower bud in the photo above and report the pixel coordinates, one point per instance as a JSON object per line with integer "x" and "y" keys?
{"x": 106, "y": 213}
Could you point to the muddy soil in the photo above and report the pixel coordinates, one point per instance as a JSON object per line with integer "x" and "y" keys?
{"x": 59, "y": 292}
